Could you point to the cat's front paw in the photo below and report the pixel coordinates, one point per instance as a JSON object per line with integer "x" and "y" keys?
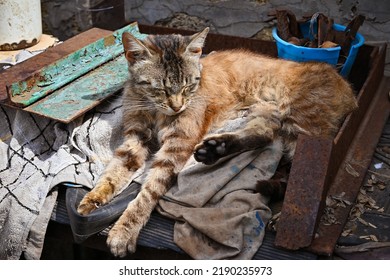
{"x": 89, "y": 203}
{"x": 121, "y": 240}
{"x": 212, "y": 149}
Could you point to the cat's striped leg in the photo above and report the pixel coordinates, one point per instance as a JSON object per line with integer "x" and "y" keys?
{"x": 169, "y": 160}
{"x": 128, "y": 157}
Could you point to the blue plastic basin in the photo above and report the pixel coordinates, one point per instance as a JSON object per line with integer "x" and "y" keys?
{"x": 328, "y": 55}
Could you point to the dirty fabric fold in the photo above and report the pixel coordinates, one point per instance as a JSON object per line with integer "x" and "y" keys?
{"x": 36, "y": 154}
{"x": 217, "y": 211}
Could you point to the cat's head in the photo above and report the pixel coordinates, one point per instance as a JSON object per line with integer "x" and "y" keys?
{"x": 165, "y": 69}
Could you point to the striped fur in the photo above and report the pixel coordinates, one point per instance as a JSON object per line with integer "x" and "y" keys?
{"x": 173, "y": 99}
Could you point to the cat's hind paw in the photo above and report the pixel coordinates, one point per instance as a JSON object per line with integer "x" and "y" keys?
{"x": 121, "y": 241}
{"x": 212, "y": 149}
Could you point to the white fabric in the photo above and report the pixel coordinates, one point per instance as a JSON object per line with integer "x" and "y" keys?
{"x": 36, "y": 154}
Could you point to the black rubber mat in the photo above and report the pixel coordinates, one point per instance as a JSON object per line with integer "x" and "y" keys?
{"x": 158, "y": 234}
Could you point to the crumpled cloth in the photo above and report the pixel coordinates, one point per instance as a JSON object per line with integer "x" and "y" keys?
{"x": 37, "y": 154}
{"x": 217, "y": 211}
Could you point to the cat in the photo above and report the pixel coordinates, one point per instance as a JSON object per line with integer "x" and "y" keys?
{"x": 175, "y": 96}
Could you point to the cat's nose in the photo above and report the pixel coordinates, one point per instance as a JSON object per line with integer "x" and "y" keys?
{"x": 176, "y": 108}
{"x": 176, "y": 103}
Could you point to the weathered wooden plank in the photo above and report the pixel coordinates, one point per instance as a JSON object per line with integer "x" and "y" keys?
{"x": 28, "y": 67}
{"x": 65, "y": 70}
{"x": 76, "y": 98}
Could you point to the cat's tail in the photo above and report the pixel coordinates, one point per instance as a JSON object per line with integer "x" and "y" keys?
{"x": 275, "y": 188}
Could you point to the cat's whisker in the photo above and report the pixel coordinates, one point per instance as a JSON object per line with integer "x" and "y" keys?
{"x": 194, "y": 102}
{"x": 139, "y": 104}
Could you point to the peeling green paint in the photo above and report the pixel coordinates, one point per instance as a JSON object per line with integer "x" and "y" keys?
{"x": 74, "y": 99}
{"x": 66, "y": 70}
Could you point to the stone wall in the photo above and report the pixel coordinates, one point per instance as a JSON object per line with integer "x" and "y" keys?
{"x": 67, "y": 18}
{"x": 246, "y": 18}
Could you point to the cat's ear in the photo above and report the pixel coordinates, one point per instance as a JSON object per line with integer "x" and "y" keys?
{"x": 134, "y": 48}
{"x": 196, "y": 43}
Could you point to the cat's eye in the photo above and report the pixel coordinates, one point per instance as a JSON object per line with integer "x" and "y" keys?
{"x": 161, "y": 91}
{"x": 190, "y": 88}
{"x": 143, "y": 83}
{"x": 185, "y": 89}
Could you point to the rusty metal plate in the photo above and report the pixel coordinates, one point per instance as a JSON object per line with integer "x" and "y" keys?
{"x": 297, "y": 229}
{"x": 307, "y": 186}
{"x": 353, "y": 170}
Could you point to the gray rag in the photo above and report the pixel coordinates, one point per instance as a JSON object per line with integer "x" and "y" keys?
{"x": 217, "y": 211}
{"x": 36, "y": 154}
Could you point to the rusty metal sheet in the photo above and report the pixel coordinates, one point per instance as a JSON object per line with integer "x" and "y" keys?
{"x": 65, "y": 70}
{"x": 307, "y": 186}
{"x": 345, "y": 141}
{"x": 297, "y": 229}
{"x": 353, "y": 170}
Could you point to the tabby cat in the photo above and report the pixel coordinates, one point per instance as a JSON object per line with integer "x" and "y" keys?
{"x": 174, "y": 98}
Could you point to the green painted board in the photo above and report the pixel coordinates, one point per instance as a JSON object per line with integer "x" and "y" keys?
{"x": 64, "y": 71}
{"x": 76, "y": 98}
{"x": 85, "y": 87}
